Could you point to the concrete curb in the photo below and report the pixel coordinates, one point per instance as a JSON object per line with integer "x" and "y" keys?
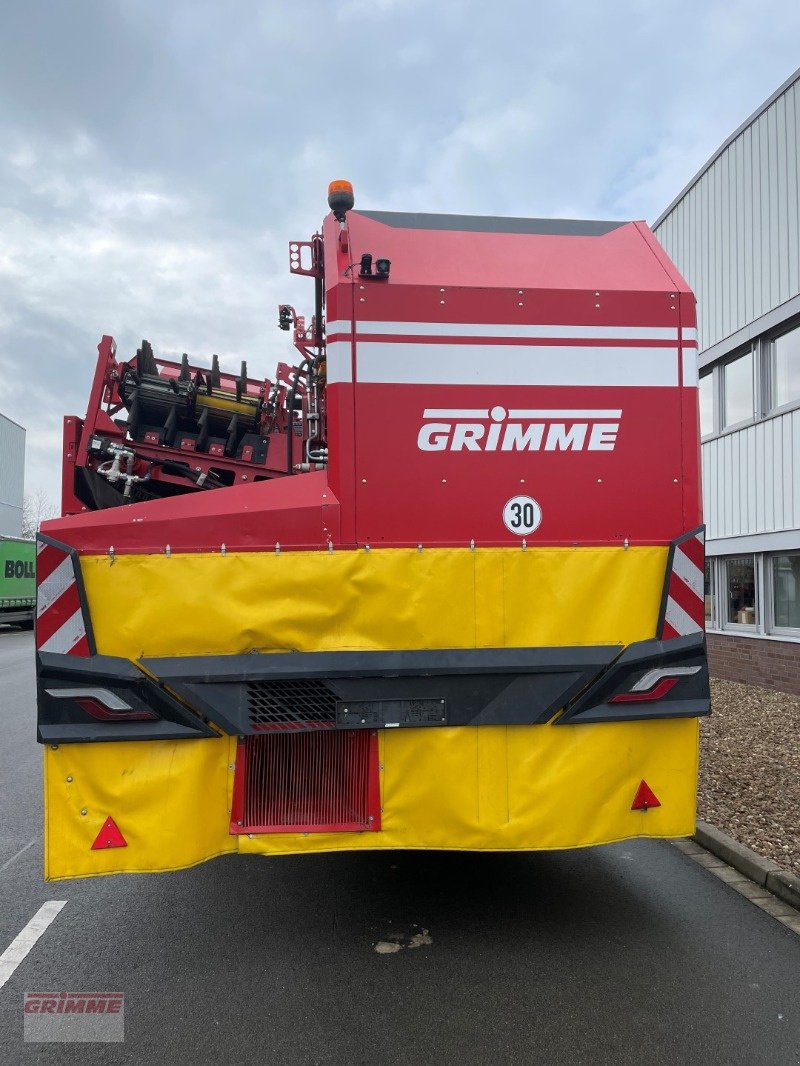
{"x": 763, "y": 871}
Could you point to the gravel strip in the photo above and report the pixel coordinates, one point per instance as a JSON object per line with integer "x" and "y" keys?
{"x": 750, "y": 769}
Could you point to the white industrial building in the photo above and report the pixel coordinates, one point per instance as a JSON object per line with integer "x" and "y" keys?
{"x": 734, "y": 233}
{"x": 12, "y": 476}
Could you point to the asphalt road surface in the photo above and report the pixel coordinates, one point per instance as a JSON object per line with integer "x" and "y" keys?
{"x": 625, "y": 954}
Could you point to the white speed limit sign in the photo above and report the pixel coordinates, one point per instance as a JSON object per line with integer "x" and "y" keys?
{"x": 522, "y": 515}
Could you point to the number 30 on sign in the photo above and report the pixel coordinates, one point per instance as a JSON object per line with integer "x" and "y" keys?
{"x": 522, "y": 515}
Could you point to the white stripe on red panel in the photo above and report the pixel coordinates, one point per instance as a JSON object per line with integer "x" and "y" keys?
{"x": 681, "y": 623}
{"x": 593, "y": 415}
{"x": 449, "y": 364}
{"x": 339, "y": 361}
{"x": 690, "y": 367}
{"x": 455, "y": 412}
{"x": 54, "y": 586}
{"x": 68, "y": 636}
{"x": 60, "y": 623}
{"x": 685, "y": 608}
{"x": 490, "y": 329}
{"x": 538, "y": 413}
{"x": 691, "y": 575}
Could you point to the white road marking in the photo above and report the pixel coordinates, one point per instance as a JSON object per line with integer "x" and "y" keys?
{"x": 24, "y": 941}
{"x": 21, "y": 851}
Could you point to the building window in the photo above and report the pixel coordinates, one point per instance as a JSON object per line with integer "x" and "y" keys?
{"x": 785, "y": 368}
{"x": 709, "y": 593}
{"x": 706, "y": 405}
{"x": 785, "y": 591}
{"x": 740, "y": 584}
{"x": 738, "y": 391}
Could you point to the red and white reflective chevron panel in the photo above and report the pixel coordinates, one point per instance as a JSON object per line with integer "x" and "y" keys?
{"x": 685, "y": 609}
{"x": 60, "y": 625}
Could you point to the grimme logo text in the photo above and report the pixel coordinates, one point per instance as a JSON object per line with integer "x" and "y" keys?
{"x": 501, "y": 430}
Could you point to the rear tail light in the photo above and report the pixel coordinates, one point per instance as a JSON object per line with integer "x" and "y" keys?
{"x": 655, "y": 684}
{"x": 102, "y": 704}
{"x": 650, "y": 679}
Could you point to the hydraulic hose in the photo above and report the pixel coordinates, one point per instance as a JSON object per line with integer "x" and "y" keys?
{"x": 290, "y": 395}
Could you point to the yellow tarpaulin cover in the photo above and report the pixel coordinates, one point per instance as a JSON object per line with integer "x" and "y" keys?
{"x": 486, "y": 787}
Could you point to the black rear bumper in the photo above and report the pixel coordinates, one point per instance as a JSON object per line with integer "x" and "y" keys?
{"x": 251, "y": 694}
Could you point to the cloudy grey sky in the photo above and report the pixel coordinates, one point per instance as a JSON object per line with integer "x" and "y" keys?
{"x": 156, "y": 157}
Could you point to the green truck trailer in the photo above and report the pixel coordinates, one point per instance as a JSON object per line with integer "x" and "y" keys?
{"x": 17, "y": 581}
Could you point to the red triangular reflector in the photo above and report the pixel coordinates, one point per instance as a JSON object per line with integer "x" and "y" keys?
{"x": 109, "y": 836}
{"x": 644, "y": 798}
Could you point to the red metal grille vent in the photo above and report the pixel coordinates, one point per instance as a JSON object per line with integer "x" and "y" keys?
{"x": 307, "y": 782}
